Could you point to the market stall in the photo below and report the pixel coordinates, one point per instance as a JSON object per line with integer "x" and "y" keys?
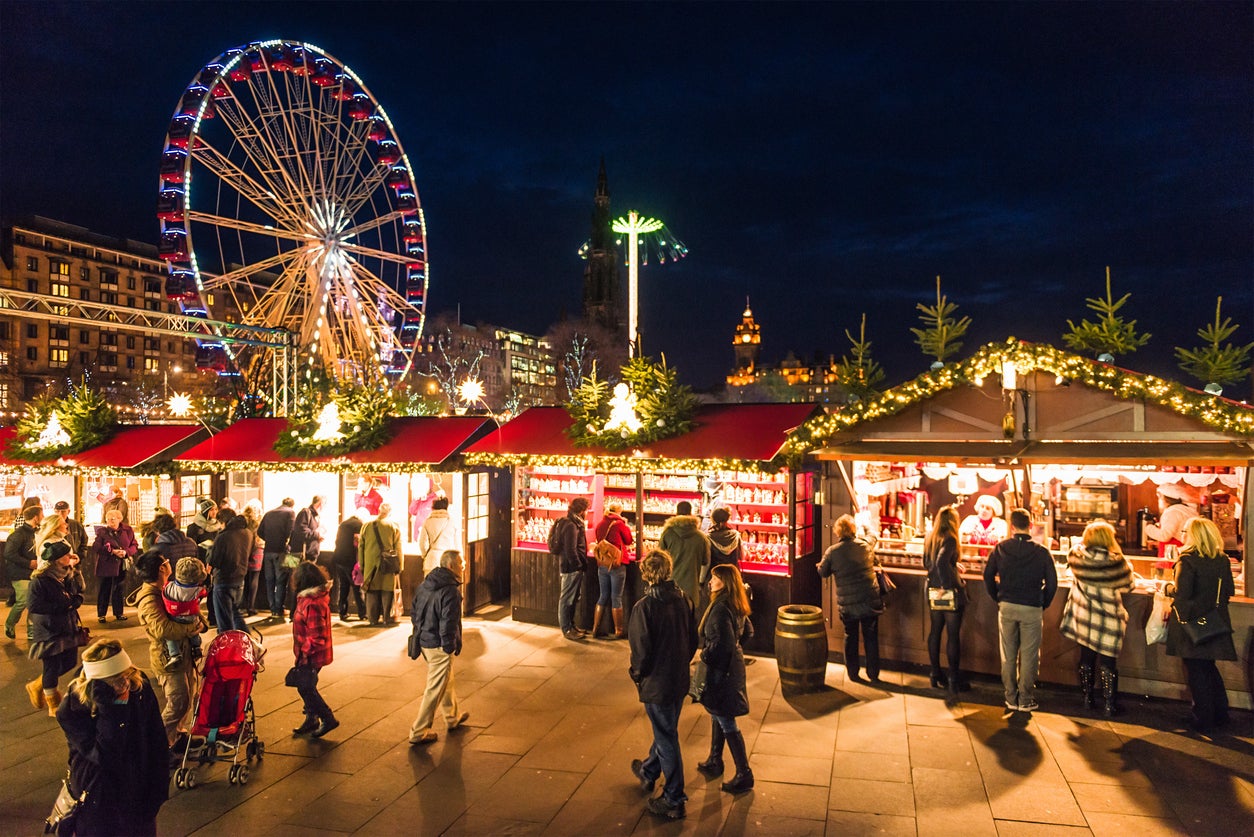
{"x": 728, "y": 459}
{"x": 1071, "y": 440}
{"x": 416, "y": 466}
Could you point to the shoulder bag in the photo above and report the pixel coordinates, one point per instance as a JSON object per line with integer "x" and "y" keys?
{"x": 389, "y": 561}
{"x": 607, "y": 555}
{"x": 64, "y": 810}
{"x": 1210, "y": 625}
{"x": 696, "y": 685}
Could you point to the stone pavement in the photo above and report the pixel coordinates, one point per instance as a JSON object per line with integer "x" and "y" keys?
{"x": 554, "y": 725}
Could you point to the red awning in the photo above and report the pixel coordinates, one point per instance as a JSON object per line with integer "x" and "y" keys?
{"x": 425, "y": 440}
{"x": 750, "y": 432}
{"x": 129, "y": 447}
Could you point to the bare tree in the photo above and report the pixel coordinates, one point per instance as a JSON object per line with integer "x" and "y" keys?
{"x": 577, "y": 344}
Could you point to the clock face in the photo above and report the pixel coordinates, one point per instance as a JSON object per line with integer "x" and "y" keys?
{"x": 745, "y": 339}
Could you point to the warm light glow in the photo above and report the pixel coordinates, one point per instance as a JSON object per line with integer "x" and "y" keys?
{"x": 470, "y": 391}
{"x": 179, "y": 404}
{"x": 52, "y": 436}
{"x": 329, "y": 424}
{"x": 1009, "y": 375}
{"x": 623, "y": 416}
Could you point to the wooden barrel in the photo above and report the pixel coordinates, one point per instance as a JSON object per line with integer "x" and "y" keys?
{"x": 801, "y": 647}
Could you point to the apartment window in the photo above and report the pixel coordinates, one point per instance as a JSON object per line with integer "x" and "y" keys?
{"x": 62, "y": 269}
{"x": 32, "y": 353}
{"x": 152, "y": 305}
{"x": 84, "y": 293}
{"x": 209, "y": 300}
{"x": 4, "y": 395}
{"x": 152, "y": 286}
{"x": 60, "y": 289}
{"x": 82, "y": 336}
{"x": 32, "y": 263}
{"x": 130, "y": 282}
{"x": 84, "y": 273}
{"x": 130, "y": 361}
{"x": 108, "y": 277}
{"x": 130, "y": 342}
{"x": 84, "y": 358}
{"x": 59, "y": 357}
{"x": 108, "y": 298}
{"x": 108, "y": 339}
{"x": 109, "y": 359}
{"x": 59, "y": 333}
{"x": 4, "y": 360}
{"x": 32, "y": 286}
{"x": 32, "y": 330}
{"x": 151, "y": 364}
{"x": 130, "y": 302}
{"x": 6, "y": 331}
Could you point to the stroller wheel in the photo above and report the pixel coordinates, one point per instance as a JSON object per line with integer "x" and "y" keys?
{"x": 189, "y": 781}
{"x": 243, "y": 774}
{"x": 232, "y": 775}
{"x": 251, "y": 750}
{"x": 261, "y": 750}
{"x": 180, "y": 777}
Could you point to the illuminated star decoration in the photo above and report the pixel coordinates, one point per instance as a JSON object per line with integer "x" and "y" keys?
{"x": 623, "y": 411}
{"x": 53, "y": 435}
{"x": 329, "y": 424}
{"x": 470, "y": 391}
{"x": 179, "y": 405}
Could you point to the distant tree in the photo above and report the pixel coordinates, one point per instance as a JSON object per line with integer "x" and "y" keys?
{"x": 452, "y": 358}
{"x": 577, "y": 345}
{"x": 940, "y": 336}
{"x": 1213, "y": 363}
{"x": 859, "y": 374}
{"x": 1110, "y": 334}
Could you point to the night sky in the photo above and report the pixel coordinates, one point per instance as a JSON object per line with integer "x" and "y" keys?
{"x": 823, "y": 159}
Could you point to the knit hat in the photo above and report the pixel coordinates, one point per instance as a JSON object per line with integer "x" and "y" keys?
{"x": 55, "y": 549}
{"x": 189, "y": 571}
{"x": 206, "y": 506}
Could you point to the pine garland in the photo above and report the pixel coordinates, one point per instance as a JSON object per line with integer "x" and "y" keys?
{"x": 663, "y": 405}
{"x": 85, "y": 416}
{"x": 363, "y": 412}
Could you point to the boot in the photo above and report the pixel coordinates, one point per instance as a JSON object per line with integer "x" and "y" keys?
{"x": 713, "y": 766}
{"x": 1085, "y": 672}
{"x": 54, "y": 700}
{"x": 620, "y": 624}
{"x": 939, "y": 680}
{"x": 35, "y": 691}
{"x": 1110, "y": 693}
{"x": 743, "y": 780}
{"x": 596, "y": 621}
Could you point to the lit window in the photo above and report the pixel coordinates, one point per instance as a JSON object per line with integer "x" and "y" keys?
{"x": 61, "y": 289}
{"x": 59, "y": 357}
{"x": 63, "y": 268}
{"x": 477, "y": 507}
{"x": 4, "y": 395}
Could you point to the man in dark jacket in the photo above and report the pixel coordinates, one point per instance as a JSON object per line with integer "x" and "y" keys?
{"x": 1021, "y": 578}
{"x": 343, "y": 559}
{"x": 229, "y": 559}
{"x": 306, "y": 539}
{"x": 19, "y": 561}
{"x": 275, "y": 530}
{"x": 77, "y": 538}
{"x": 437, "y": 618}
{"x": 663, "y": 637}
{"x": 569, "y": 541}
{"x": 688, "y": 547}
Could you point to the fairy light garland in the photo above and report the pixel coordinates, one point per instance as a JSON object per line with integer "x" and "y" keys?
{"x": 594, "y": 462}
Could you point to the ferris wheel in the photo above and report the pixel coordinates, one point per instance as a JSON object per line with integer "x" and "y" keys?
{"x": 287, "y": 201}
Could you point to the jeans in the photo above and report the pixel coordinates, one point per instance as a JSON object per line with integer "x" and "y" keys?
{"x": 1020, "y": 628}
{"x": 1210, "y": 698}
{"x": 276, "y": 581}
{"x": 664, "y": 756}
{"x": 439, "y": 692}
{"x": 571, "y": 582}
{"x": 870, "y": 640}
{"x": 727, "y": 723}
{"x": 611, "y": 583}
{"x": 19, "y": 603}
{"x": 315, "y": 706}
{"x": 250, "y": 590}
{"x": 110, "y": 592}
{"x": 226, "y": 599}
{"x": 344, "y": 583}
{"x": 951, "y": 622}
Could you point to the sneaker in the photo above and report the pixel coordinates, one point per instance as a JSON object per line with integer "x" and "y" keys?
{"x": 9, "y": 632}
{"x": 1030, "y": 706}
{"x": 427, "y": 737}
{"x": 637, "y": 769}
{"x": 174, "y": 663}
{"x": 459, "y": 720}
{"x": 662, "y": 808}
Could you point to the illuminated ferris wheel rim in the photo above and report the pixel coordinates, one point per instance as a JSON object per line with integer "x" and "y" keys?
{"x": 320, "y": 228}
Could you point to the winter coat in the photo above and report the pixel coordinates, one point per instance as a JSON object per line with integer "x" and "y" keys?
{"x": 663, "y": 638}
{"x": 162, "y": 629}
{"x": 1094, "y": 615}
{"x": 941, "y": 562}
{"x": 203, "y": 529}
{"x": 572, "y": 544}
{"x": 438, "y": 534}
{"x": 437, "y": 611}
{"x": 376, "y": 536}
{"x": 306, "y": 538}
{"x": 852, "y": 566}
{"x": 52, "y": 613}
{"x": 174, "y": 545}
{"x": 615, "y": 530}
{"x": 119, "y": 755}
{"x": 19, "y": 551}
{"x": 230, "y": 553}
{"x": 276, "y": 527}
{"x": 1021, "y": 571}
{"x": 1199, "y": 581}
{"x": 345, "y": 553}
{"x": 311, "y": 627}
{"x": 77, "y": 536}
{"x": 724, "y": 545}
{"x": 109, "y": 565}
{"x": 689, "y": 549}
{"x": 725, "y": 692}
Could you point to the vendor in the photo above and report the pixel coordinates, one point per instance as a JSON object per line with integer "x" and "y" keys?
{"x": 985, "y": 528}
{"x": 1174, "y": 510}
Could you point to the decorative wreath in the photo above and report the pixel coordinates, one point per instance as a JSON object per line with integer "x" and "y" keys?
{"x": 647, "y": 404}
{"x": 55, "y": 427}
{"x": 353, "y": 419}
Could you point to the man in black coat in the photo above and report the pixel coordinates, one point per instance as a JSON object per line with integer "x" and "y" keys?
{"x": 306, "y": 539}
{"x": 663, "y": 636}
{"x": 229, "y": 559}
{"x": 343, "y": 559}
{"x": 1021, "y": 578}
{"x": 275, "y": 529}
{"x": 569, "y": 542}
{"x": 437, "y": 619}
{"x": 19, "y": 562}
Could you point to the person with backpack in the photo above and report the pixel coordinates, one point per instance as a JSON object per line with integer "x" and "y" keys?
{"x": 568, "y": 540}
{"x": 613, "y": 539}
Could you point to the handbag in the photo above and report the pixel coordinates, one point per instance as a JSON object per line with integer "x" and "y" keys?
{"x": 1156, "y": 625}
{"x": 884, "y": 583}
{"x": 64, "y": 810}
{"x": 389, "y": 561}
{"x": 697, "y": 683}
{"x": 1210, "y": 625}
{"x": 607, "y": 555}
{"x": 942, "y": 598}
{"x": 298, "y": 677}
{"x": 291, "y": 560}
{"x": 413, "y": 646}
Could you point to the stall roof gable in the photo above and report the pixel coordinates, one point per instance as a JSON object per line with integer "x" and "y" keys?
{"x": 128, "y": 447}
{"x": 745, "y": 432}
{"x": 415, "y": 440}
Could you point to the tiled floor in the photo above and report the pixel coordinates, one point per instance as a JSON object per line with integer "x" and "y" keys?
{"x": 554, "y": 725}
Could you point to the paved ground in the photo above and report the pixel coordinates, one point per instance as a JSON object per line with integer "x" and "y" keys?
{"x": 554, "y": 726}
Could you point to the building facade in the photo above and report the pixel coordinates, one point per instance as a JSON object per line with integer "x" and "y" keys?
{"x": 792, "y": 380}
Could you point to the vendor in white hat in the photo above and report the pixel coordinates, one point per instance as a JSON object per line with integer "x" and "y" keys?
{"x": 986, "y": 528}
{"x": 1175, "y": 510}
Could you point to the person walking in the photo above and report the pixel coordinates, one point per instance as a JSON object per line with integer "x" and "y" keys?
{"x": 947, "y": 603}
{"x": 20, "y": 560}
{"x": 311, "y": 644}
{"x": 307, "y": 532}
{"x": 439, "y": 533}
{"x": 688, "y": 547}
{"x": 252, "y": 519}
{"x": 348, "y": 576}
{"x": 118, "y": 757}
{"x": 275, "y": 530}
{"x": 663, "y": 638}
{"x": 725, "y": 696}
{"x": 1021, "y": 578}
{"x": 53, "y": 625}
{"x": 115, "y": 544}
{"x": 437, "y": 618}
{"x": 381, "y": 565}
{"x": 568, "y": 540}
{"x": 851, "y": 565}
{"x": 229, "y": 558}
{"x": 76, "y": 534}
{"x": 1094, "y": 615}
{"x": 1203, "y": 584}
{"x": 614, "y": 531}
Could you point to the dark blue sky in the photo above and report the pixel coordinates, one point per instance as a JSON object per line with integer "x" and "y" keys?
{"x": 824, "y": 159}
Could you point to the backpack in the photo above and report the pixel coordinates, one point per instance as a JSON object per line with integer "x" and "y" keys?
{"x": 555, "y": 536}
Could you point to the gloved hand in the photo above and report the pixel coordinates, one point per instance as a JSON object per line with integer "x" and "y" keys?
{"x": 76, "y": 601}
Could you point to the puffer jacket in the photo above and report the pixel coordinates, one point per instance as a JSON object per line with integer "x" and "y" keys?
{"x": 852, "y": 566}
{"x": 663, "y": 637}
{"x": 161, "y": 628}
{"x": 437, "y": 611}
{"x": 689, "y": 549}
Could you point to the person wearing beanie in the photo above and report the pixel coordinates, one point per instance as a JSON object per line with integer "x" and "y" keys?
{"x": 53, "y": 625}
{"x": 205, "y": 526}
{"x": 181, "y": 598}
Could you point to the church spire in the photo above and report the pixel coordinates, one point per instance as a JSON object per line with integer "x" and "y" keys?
{"x": 746, "y": 343}
{"x": 602, "y": 291}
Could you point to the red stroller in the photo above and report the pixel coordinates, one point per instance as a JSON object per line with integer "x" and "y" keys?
{"x": 225, "y": 722}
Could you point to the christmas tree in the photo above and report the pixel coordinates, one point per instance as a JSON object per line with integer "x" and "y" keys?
{"x": 859, "y": 374}
{"x": 1110, "y": 335}
{"x": 1216, "y": 364}
{"x": 940, "y": 337}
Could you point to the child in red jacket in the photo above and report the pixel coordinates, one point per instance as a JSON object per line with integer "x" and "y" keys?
{"x": 311, "y": 643}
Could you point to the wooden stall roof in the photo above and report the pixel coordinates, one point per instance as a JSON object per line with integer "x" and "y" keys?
{"x": 425, "y": 441}
{"x": 742, "y": 432}
{"x": 128, "y": 448}
{"x": 1016, "y": 452}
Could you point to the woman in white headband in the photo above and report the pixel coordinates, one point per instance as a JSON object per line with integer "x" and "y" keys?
{"x": 118, "y": 752}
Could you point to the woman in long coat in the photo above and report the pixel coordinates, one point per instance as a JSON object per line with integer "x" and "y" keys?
{"x": 1094, "y": 615}
{"x": 725, "y": 696}
{"x": 115, "y": 542}
{"x": 378, "y": 536}
{"x": 851, "y": 564}
{"x": 1203, "y": 582}
{"x": 56, "y": 591}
